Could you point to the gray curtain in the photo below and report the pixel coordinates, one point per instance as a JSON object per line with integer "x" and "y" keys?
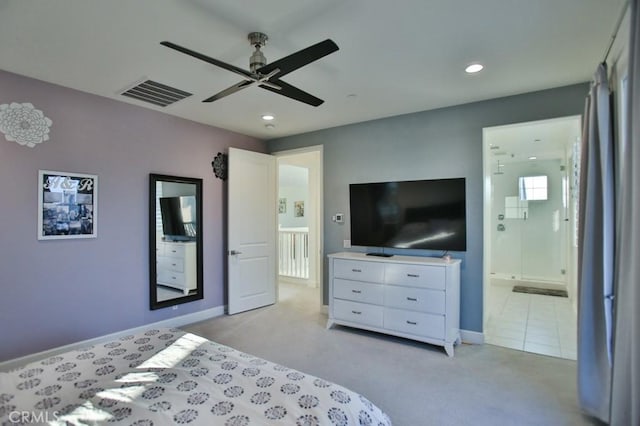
{"x": 596, "y": 251}
{"x": 625, "y": 384}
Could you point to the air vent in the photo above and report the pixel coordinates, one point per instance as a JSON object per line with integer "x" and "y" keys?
{"x": 156, "y": 93}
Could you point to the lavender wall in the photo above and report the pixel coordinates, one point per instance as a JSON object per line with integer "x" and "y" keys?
{"x": 57, "y": 292}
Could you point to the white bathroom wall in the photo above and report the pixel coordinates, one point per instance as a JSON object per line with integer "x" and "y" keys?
{"x": 531, "y": 249}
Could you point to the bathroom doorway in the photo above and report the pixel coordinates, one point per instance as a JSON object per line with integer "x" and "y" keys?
{"x": 530, "y": 228}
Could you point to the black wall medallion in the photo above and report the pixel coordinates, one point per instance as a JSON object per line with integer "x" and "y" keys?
{"x": 219, "y": 165}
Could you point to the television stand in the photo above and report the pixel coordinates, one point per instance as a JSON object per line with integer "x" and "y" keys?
{"x": 380, "y": 254}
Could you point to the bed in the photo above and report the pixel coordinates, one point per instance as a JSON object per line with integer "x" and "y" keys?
{"x": 167, "y": 376}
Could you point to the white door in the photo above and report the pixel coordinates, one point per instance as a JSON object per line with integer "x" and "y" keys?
{"x": 251, "y": 230}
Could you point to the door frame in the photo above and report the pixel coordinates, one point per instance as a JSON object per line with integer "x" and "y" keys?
{"x": 571, "y": 251}
{"x": 316, "y": 187}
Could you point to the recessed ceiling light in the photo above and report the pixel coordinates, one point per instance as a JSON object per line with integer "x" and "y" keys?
{"x": 474, "y": 68}
{"x": 533, "y": 157}
{"x": 267, "y": 117}
{"x": 270, "y": 126}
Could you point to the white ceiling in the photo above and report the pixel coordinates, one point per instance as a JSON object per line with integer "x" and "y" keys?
{"x": 545, "y": 139}
{"x": 395, "y": 57}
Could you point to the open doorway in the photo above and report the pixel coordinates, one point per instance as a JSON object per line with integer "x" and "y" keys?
{"x": 530, "y": 235}
{"x": 299, "y": 227}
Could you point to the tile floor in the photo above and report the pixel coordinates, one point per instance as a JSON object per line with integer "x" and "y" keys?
{"x": 545, "y": 325}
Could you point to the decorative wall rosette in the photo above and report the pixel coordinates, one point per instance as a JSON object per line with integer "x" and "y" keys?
{"x": 219, "y": 165}
{"x": 23, "y": 124}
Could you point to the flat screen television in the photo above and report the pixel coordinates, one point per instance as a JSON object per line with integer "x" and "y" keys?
{"x": 419, "y": 214}
{"x": 178, "y": 218}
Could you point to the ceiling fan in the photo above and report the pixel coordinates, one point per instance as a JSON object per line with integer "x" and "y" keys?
{"x": 267, "y": 76}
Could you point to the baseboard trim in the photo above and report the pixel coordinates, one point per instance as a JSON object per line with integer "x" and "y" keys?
{"x": 168, "y": 323}
{"x": 472, "y": 337}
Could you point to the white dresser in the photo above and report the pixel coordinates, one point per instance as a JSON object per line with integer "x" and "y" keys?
{"x": 176, "y": 265}
{"x": 407, "y": 296}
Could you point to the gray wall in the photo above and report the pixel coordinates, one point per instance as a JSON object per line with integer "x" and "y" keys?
{"x": 432, "y": 144}
{"x": 63, "y": 291}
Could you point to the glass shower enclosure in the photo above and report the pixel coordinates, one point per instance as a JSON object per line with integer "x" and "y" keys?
{"x": 529, "y": 223}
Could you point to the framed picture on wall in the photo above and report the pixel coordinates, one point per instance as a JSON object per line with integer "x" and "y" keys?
{"x": 282, "y": 205}
{"x": 67, "y": 205}
{"x": 298, "y": 209}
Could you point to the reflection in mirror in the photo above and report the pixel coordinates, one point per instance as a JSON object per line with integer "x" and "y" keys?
{"x": 175, "y": 240}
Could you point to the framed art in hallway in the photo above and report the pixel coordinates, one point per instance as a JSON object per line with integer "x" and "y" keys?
{"x": 67, "y": 205}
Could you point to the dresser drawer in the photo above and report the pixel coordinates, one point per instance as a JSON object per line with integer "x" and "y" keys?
{"x": 416, "y": 275}
{"x": 415, "y": 299}
{"x": 358, "y": 291}
{"x": 170, "y": 278}
{"x": 421, "y": 324}
{"x": 358, "y": 312}
{"x": 359, "y": 271}
{"x": 174, "y": 250}
{"x": 171, "y": 263}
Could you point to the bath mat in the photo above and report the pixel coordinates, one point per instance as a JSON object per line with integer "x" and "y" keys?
{"x": 542, "y": 291}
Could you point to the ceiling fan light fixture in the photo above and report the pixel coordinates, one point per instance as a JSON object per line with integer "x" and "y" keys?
{"x": 474, "y": 68}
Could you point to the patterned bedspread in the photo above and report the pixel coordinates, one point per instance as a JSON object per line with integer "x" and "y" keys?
{"x": 167, "y": 376}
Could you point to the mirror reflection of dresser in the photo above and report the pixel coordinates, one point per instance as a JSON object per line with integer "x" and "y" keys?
{"x": 175, "y": 240}
{"x": 176, "y": 265}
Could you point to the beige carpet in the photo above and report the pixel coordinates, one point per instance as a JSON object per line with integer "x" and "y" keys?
{"x": 414, "y": 383}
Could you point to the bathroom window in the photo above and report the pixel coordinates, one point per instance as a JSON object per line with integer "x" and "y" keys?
{"x": 533, "y": 187}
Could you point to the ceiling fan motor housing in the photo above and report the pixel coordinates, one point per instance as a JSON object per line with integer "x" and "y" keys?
{"x": 257, "y": 59}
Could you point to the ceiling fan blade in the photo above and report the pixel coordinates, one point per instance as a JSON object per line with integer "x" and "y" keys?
{"x": 292, "y": 92}
{"x": 208, "y": 59}
{"x": 299, "y": 59}
{"x": 229, "y": 90}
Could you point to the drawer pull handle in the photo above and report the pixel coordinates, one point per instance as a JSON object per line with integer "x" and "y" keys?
{"x": 412, "y": 299}
{"x": 413, "y": 275}
{"x": 356, "y": 291}
{"x": 356, "y": 312}
{"x": 357, "y": 270}
{"x": 412, "y": 322}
